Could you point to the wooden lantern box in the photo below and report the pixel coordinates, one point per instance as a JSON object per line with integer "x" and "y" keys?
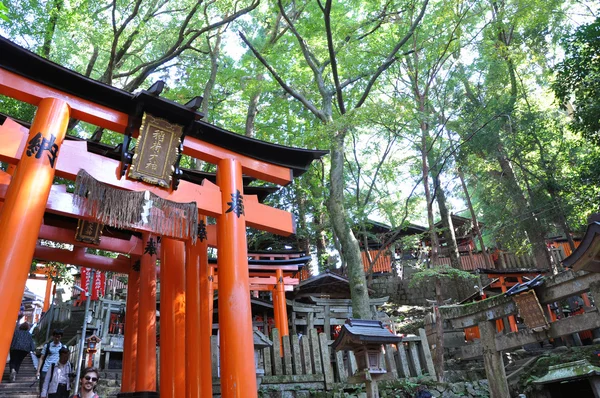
{"x": 365, "y": 338}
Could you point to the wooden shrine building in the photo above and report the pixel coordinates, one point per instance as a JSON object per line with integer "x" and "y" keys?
{"x": 142, "y": 189}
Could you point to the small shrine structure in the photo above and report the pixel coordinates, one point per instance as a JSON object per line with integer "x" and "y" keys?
{"x": 366, "y": 339}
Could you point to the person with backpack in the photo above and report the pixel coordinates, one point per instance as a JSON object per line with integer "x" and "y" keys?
{"x": 87, "y": 383}
{"x": 57, "y": 383}
{"x": 49, "y": 356}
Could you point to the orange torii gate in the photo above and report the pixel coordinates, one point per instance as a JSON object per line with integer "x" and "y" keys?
{"x": 41, "y": 152}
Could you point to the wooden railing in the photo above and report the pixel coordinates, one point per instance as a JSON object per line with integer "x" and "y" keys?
{"x": 309, "y": 362}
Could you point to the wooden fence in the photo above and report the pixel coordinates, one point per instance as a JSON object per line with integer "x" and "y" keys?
{"x": 308, "y": 362}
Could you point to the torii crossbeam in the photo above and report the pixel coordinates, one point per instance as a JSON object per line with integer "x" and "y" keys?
{"x": 40, "y": 153}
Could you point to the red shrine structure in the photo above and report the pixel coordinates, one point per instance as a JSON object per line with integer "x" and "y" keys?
{"x": 143, "y": 190}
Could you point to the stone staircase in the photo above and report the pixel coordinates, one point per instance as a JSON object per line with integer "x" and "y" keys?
{"x": 26, "y": 385}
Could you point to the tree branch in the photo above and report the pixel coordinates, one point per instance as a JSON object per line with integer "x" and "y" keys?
{"x": 391, "y": 58}
{"x": 310, "y": 106}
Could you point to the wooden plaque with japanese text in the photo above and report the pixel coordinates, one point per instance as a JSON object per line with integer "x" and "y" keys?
{"x": 156, "y": 151}
{"x": 531, "y": 311}
{"x": 88, "y": 232}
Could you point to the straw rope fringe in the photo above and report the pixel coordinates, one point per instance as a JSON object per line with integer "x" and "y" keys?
{"x": 123, "y": 209}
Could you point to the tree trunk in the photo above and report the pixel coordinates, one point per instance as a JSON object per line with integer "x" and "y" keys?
{"x": 337, "y": 213}
{"x": 530, "y": 222}
{"x": 425, "y": 165}
{"x": 448, "y": 231}
{"x": 253, "y": 108}
{"x": 488, "y": 260}
{"x": 215, "y": 51}
{"x": 54, "y": 12}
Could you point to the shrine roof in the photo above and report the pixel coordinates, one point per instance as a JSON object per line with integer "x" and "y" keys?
{"x": 511, "y": 271}
{"x": 585, "y": 257}
{"x": 362, "y": 332}
{"x": 326, "y": 282}
{"x": 25, "y": 63}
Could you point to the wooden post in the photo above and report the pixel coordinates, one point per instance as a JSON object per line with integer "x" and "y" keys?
{"x": 146, "y": 349}
{"x": 238, "y": 371}
{"x": 492, "y": 360}
{"x": 48, "y": 295}
{"x": 23, "y": 210}
{"x": 172, "y": 318}
{"x": 198, "y": 322}
{"x": 131, "y": 332}
{"x": 277, "y": 315}
{"x": 511, "y": 318}
{"x": 285, "y": 331}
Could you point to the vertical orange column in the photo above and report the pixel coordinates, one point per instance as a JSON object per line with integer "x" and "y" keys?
{"x": 48, "y": 295}
{"x": 198, "y": 324}
{"x": 238, "y": 372}
{"x": 145, "y": 379}
{"x": 284, "y": 324}
{"x": 172, "y": 318}
{"x": 511, "y": 318}
{"x": 211, "y": 295}
{"x": 193, "y": 326}
{"x": 131, "y": 332}
{"x": 276, "y": 313}
{"x": 23, "y": 210}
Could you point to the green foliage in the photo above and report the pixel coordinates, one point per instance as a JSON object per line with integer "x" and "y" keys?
{"x": 3, "y": 12}
{"x": 446, "y": 273}
{"x": 578, "y": 80}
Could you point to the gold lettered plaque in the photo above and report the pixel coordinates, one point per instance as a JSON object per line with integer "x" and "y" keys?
{"x": 156, "y": 151}
{"x": 531, "y": 311}
{"x": 88, "y": 232}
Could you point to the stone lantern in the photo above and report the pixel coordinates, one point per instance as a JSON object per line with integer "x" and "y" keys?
{"x": 365, "y": 338}
{"x": 260, "y": 341}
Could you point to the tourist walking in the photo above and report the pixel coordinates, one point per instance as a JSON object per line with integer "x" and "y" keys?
{"x": 87, "y": 384}
{"x": 49, "y": 355}
{"x": 57, "y": 383}
{"x": 21, "y": 345}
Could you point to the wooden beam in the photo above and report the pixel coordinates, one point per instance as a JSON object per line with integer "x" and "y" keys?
{"x": 74, "y": 156}
{"x": 255, "y": 168}
{"x": 29, "y": 91}
{"x": 132, "y": 246}
{"x": 79, "y": 257}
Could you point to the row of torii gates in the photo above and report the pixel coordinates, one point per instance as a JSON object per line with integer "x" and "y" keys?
{"x": 38, "y": 154}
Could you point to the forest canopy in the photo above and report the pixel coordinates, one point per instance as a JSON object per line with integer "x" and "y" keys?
{"x": 430, "y": 108}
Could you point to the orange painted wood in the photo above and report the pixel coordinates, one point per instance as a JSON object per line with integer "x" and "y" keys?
{"x": 26, "y": 90}
{"x": 198, "y": 321}
{"x": 282, "y": 304}
{"x": 22, "y": 215}
{"x": 13, "y": 138}
{"x": 511, "y": 318}
{"x": 266, "y": 280}
{"x": 48, "y": 294}
{"x": 277, "y": 311}
{"x": 80, "y": 258}
{"x": 132, "y": 246}
{"x": 238, "y": 370}
{"x": 172, "y": 319}
{"x": 255, "y": 168}
{"x": 131, "y": 332}
{"x": 74, "y": 156}
{"x": 146, "y": 348}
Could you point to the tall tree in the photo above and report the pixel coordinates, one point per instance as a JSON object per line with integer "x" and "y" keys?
{"x": 343, "y": 75}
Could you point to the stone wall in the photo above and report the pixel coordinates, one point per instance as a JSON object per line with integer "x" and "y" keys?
{"x": 467, "y": 389}
{"x": 397, "y": 288}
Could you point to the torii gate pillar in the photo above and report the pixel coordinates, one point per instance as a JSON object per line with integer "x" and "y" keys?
{"x": 24, "y": 207}
{"x": 238, "y": 372}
